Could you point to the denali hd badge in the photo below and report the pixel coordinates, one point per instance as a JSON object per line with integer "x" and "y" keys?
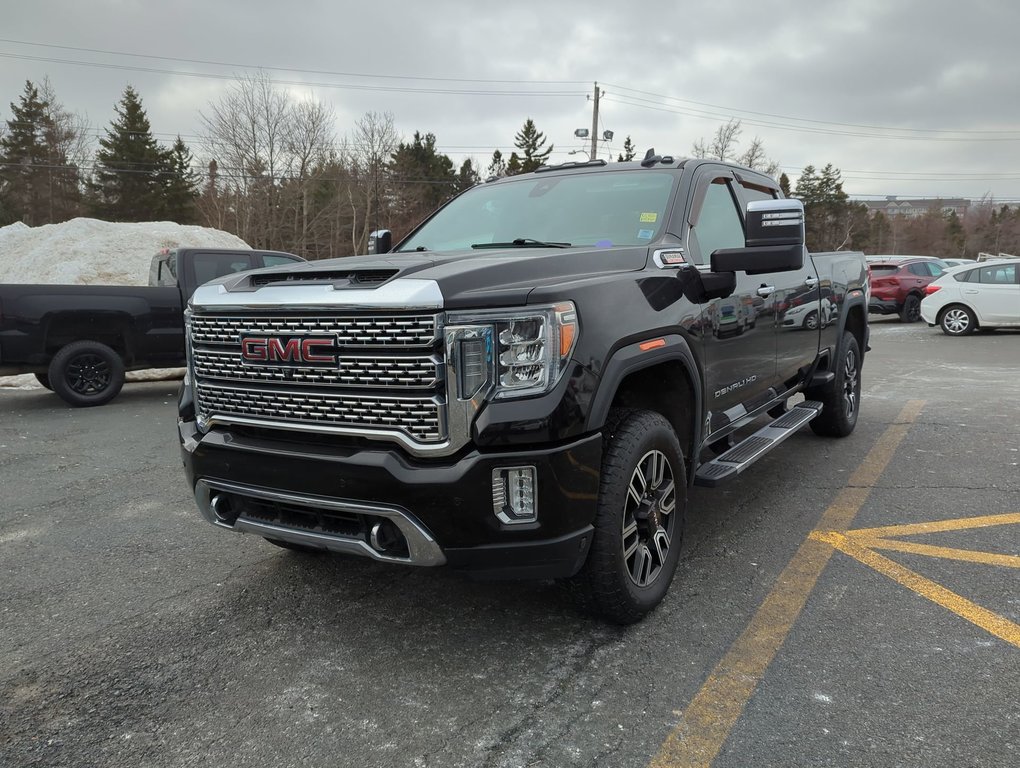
{"x": 285, "y": 350}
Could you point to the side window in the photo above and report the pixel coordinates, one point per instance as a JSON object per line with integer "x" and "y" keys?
{"x": 971, "y": 276}
{"x": 935, "y": 269}
{"x": 270, "y": 260}
{"x": 1000, "y": 275}
{"x": 752, "y": 192}
{"x": 920, "y": 269}
{"x": 209, "y": 266}
{"x": 719, "y": 224}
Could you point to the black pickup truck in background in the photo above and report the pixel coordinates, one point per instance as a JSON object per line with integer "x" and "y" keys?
{"x": 526, "y": 385}
{"x": 79, "y": 340}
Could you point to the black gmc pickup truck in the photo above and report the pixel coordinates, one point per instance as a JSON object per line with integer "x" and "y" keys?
{"x": 527, "y": 385}
{"x": 79, "y": 340}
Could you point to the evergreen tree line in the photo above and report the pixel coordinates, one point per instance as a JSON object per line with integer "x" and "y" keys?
{"x": 279, "y": 177}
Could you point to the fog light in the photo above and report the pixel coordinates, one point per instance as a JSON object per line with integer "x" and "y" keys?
{"x": 513, "y": 495}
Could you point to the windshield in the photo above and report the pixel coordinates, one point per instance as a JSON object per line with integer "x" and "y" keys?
{"x": 583, "y": 209}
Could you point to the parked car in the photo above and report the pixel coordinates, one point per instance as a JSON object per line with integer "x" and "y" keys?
{"x": 79, "y": 340}
{"x": 959, "y": 262}
{"x": 898, "y": 283}
{"x": 985, "y": 296}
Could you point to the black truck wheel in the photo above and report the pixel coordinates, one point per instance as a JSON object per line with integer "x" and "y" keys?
{"x": 841, "y": 399}
{"x": 911, "y": 311}
{"x": 43, "y": 379}
{"x": 639, "y": 519}
{"x": 86, "y": 373}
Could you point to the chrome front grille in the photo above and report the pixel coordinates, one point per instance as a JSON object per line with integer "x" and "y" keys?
{"x": 382, "y": 375}
{"x": 417, "y": 417}
{"x": 361, "y": 371}
{"x": 353, "y": 330}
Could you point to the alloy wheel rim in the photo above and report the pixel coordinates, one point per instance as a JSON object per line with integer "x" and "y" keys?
{"x": 914, "y": 310}
{"x": 648, "y": 519}
{"x": 850, "y": 384}
{"x": 956, "y": 321}
{"x": 88, "y": 374}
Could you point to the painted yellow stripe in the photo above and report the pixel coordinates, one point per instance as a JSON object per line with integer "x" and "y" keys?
{"x": 711, "y": 715}
{"x": 945, "y": 553}
{"x": 990, "y": 622}
{"x": 938, "y": 526}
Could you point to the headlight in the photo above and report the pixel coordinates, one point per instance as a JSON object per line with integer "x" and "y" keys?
{"x": 510, "y": 353}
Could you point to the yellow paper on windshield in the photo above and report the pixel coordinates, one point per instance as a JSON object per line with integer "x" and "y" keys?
{"x": 649, "y": 218}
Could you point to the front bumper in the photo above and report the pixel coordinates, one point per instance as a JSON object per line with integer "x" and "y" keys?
{"x": 321, "y": 494}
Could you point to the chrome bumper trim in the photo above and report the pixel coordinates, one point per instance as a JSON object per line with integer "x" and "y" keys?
{"x": 422, "y": 548}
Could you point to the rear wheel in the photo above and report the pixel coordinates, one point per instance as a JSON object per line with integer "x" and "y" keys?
{"x": 638, "y": 521}
{"x": 840, "y": 398}
{"x": 957, "y": 320}
{"x": 911, "y": 311}
{"x": 86, "y": 373}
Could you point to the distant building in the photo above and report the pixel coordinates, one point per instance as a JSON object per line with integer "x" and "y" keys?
{"x": 912, "y": 208}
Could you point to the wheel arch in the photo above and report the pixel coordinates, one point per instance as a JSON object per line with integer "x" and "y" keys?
{"x": 962, "y": 304}
{"x": 665, "y": 379}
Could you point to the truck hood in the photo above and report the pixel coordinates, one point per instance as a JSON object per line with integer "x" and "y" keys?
{"x": 433, "y": 280}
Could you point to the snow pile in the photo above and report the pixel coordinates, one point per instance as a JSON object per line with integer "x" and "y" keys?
{"x": 92, "y": 252}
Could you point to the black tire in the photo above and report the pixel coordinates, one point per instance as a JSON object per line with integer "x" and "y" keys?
{"x": 295, "y": 547}
{"x": 957, "y": 320}
{"x": 639, "y": 519}
{"x": 841, "y": 399}
{"x": 911, "y": 310}
{"x": 43, "y": 379}
{"x": 86, "y": 373}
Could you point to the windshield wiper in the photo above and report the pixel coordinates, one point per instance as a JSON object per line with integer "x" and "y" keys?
{"x": 522, "y": 242}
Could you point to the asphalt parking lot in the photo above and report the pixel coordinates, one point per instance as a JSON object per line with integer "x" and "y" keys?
{"x": 844, "y": 603}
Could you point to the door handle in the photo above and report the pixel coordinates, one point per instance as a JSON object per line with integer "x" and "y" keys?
{"x": 811, "y": 282}
{"x": 766, "y": 290}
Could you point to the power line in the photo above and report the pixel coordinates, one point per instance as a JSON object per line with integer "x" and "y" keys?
{"x": 1014, "y": 133}
{"x": 302, "y": 83}
{"x": 292, "y": 69}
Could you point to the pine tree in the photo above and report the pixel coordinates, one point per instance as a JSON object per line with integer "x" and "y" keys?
{"x": 514, "y": 165}
{"x": 628, "y": 152}
{"x": 497, "y": 166}
{"x": 784, "y": 184}
{"x": 180, "y": 185}
{"x": 529, "y": 140}
{"x": 23, "y": 160}
{"x": 130, "y": 166}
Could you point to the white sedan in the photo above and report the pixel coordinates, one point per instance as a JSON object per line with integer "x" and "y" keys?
{"x": 984, "y": 296}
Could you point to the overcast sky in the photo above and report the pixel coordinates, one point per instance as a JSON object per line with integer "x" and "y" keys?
{"x": 906, "y": 97}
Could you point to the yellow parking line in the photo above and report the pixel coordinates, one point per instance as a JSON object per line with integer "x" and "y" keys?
{"x": 711, "y": 715}
{"x": 990, "y": 622}
{"x": 945, "y": 553}
{"x": 938, "y": 526}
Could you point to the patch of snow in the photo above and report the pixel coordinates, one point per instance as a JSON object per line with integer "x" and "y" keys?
{"x": 93, "y": 252}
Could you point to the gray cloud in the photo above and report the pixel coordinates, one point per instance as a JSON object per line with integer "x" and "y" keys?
{"x": 920, "y": 67}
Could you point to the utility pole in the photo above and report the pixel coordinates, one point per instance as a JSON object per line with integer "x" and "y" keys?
{"x": 595, "y": 123}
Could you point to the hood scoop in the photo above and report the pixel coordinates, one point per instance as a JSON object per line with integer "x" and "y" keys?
{"x": 340, "y": 279}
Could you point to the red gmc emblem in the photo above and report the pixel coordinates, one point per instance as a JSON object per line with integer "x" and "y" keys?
{"x": 276, "y": 350}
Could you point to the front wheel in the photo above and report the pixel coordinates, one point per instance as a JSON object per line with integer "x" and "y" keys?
{"x": 957, "y": 321}
{"x": 841, "y": 398}
{"x": 43, "y": 379}
{"x": 639, "y": 518}
{"x": 86, "y": 373}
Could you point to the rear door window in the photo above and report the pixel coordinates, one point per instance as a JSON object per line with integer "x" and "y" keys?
{"x": 209, "y": 266}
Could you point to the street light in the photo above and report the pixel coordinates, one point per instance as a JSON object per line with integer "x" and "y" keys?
{"x": 580, "y": 152}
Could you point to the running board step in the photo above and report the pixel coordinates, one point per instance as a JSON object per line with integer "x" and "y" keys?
{"x": 750, "y": 449}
